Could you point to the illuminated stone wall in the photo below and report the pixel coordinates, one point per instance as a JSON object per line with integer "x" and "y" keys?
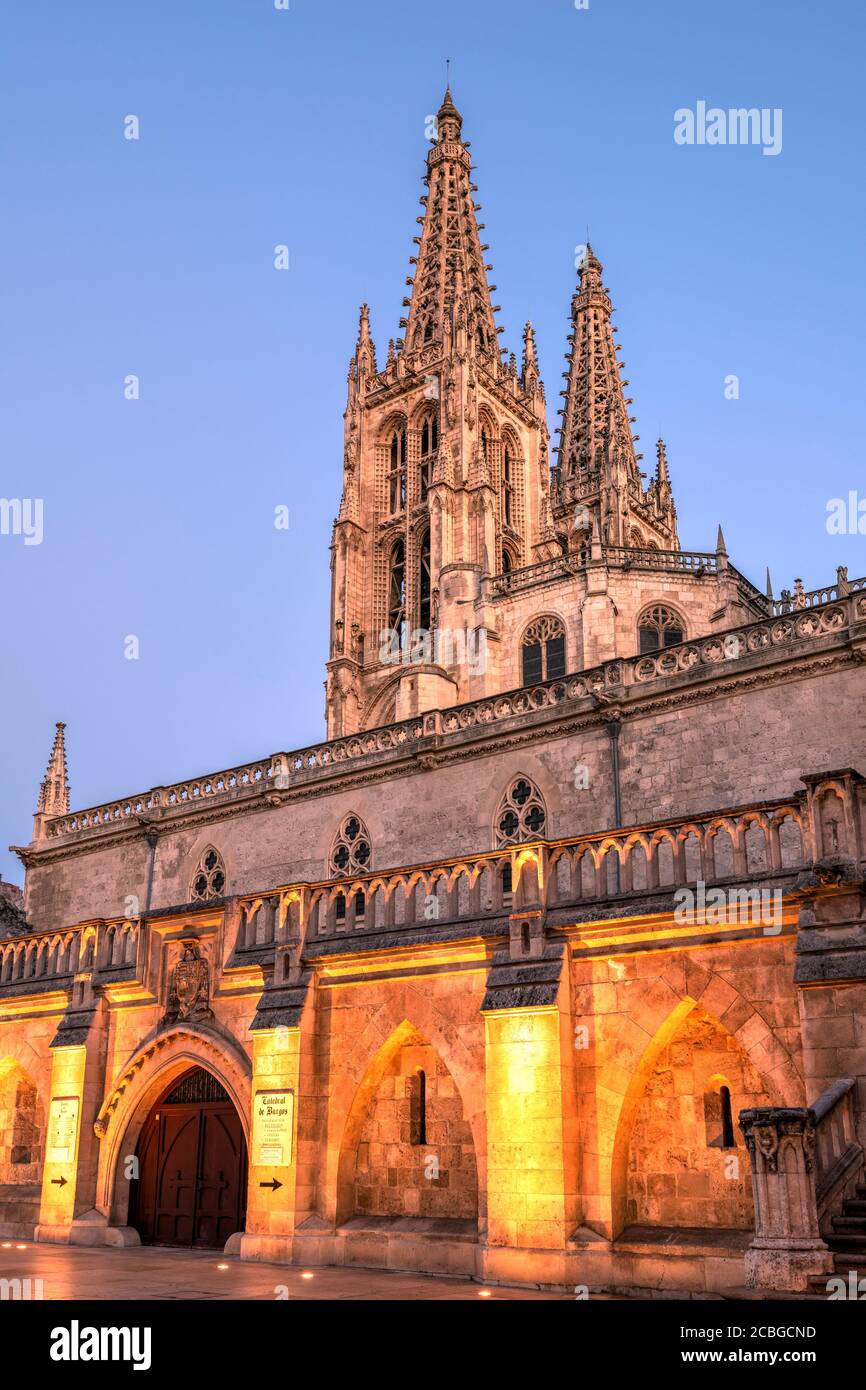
{"x": 22, "y": 1128}
{"x": 397, "y": 1175}
{"x": 678, "y": 1174}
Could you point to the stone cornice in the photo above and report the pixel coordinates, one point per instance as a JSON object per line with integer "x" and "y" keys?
{"x": 510, "y": 720}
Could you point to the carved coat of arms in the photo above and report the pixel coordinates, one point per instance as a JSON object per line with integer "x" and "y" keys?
{"x": 189, "y": 991}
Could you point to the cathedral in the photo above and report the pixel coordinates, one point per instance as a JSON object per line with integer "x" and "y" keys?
{"x": 547, "y": 966}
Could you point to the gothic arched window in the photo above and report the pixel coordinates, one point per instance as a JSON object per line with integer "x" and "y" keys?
{"x": 521, "y": 815}
{"x": 397, "y": 470}
{"x": 543, "y": 651}
{"x": 351, "y": 852}
{"x": 424, "y": 585}
{"x": 397, "y": 587}
{"x": 209, "y": 879}
{"x": 658, "y": 627}
{"x": 429, "y": 445}
{"x": 507, "y": 486}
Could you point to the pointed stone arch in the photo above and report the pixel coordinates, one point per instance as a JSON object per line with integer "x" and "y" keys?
{"x": 208, "y": 880}
{"x": 633, "y": 1053}
{"x": 381, "y": 709}
{"x": 377, "y": 1140}
{"x": 143, "y": 1078}
{"x": 362, "y": 1045}
{"x": 351, "y": 848}
{"x": 686, "y": 1162}
{"x": 543, "y": 649}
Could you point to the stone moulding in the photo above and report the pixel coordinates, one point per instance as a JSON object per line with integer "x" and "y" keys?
{"x": 206, "y": 1042}
{"x": 625, "y": 680}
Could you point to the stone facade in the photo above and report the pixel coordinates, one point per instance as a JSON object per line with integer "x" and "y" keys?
{"x": 516, "y": 946}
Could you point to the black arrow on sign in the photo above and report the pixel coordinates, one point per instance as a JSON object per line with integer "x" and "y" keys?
{"x": 273, "y": 1184}
{"x": 58, "y": 1182}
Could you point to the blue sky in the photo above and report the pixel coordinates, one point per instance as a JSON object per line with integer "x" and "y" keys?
{"x": 306, "y": 127}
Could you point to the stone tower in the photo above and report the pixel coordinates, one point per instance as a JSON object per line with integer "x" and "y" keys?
{"x": 463, "y": 566}
{"x": 446, "y": 474}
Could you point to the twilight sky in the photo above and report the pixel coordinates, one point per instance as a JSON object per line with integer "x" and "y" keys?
{"x": 305, "y": 127}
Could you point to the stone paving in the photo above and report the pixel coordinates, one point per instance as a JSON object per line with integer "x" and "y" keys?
{"x": 157, "y": 1272}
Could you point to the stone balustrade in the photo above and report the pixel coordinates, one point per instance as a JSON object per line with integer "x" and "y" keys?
{"x": 40, "y": 957}
{"x": 698, "y": 563}
{"x": 795, "y": 601}
{"x": 236, "y": 779}
{"x": 738, "y": 642}
{"x": 748, "y": 845}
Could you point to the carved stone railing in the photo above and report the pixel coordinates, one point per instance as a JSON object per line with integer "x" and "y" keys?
{"x": 747, "y": 845}
{"x": 41, "y": 957}
{"x": 530, "y": 575}
{"x": 611, "y": 681}
{"x": 236, "y": 779}
{"x": 739, "y": 642}
{"x": 839, "y": 1158}
{"x": 697, "y": 563}
{"x": 798, "y": 599}
{"x": 801, "y": 1159}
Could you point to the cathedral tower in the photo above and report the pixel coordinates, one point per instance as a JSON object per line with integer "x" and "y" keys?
{"x": 445, "y": 474}
{"x": 463, "y": 566}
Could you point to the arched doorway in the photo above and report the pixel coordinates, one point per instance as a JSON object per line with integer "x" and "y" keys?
{"x": 192, "y": 1167}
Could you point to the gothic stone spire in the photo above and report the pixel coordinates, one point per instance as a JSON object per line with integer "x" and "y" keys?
{"x": 598, "y": 463}
{"x": 54, "y": 792}
{"x": 595, "y": 402}
{"x": 450, "y": 288}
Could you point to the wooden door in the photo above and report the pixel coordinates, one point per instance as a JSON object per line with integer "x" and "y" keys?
{"x": 192, "y": 1157}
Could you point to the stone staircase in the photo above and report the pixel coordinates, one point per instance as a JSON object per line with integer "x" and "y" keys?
{"x": 847, "y": 1240}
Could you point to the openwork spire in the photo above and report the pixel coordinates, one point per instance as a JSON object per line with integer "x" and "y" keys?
{"x": 598, "y": 466}
{"x": 595, "y": 417}
{"x": 449, "y": 288}
{"x": 54, "y": 792}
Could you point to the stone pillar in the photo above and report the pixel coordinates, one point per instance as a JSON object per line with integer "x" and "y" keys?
{"x": 272, "y": 1183}
{"x": 67, "y": 1212}
{"x": 787, "y": 1248}
{"x": 531, "y": 1144}
{"x": 62, "y": 1141}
